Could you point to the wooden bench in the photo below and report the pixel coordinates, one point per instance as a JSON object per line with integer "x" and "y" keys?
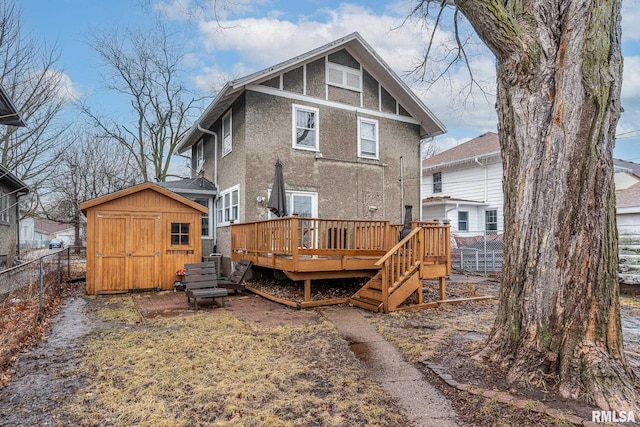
{"x": 201, "y": 282}
{"x": 235, "y": 280}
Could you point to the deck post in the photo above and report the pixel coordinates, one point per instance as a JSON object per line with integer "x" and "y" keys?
{"x": 294, "y": 240}
{"x": 443, "y": 288}
{"x": 307, "y": 290}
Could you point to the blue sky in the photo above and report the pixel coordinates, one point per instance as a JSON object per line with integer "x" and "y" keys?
{"x": 252, "y": 34}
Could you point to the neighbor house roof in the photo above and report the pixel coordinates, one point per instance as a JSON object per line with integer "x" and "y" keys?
{"x": 633, "y": 168}
{"x": 359, "y": 49}
{"x": 136, "y": 189}
{"x": 48, "y": 227}
{"x": 484, "y": 146}
{"x": 629, "y": 197}
{"x": 8, "y": 113}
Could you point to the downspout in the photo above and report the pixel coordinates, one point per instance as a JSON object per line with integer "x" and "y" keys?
{"x": 215, "y": 179}
{"x": 17, "y": 230}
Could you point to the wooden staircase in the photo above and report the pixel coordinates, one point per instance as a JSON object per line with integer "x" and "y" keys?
{"x": 422, "y": 254}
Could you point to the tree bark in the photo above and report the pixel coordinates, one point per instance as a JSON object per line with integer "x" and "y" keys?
{"x": 559, "y": 68}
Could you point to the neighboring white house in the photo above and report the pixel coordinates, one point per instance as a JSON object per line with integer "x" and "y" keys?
{"x": 463, "y": 185}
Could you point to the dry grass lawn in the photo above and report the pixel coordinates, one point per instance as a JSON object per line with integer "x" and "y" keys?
{"x": 213, "y": 369}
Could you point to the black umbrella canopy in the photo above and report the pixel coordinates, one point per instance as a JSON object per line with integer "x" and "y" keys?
{"x": 278, "y": 200}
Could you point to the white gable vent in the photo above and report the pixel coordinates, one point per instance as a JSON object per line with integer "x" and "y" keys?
{"x": 345, "y": 77}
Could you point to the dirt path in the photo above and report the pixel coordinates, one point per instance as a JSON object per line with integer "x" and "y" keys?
{"x": 43, "y": 378}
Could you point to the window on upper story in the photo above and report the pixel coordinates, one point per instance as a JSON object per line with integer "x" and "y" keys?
{"x": 463, "y": 221}
{"x": 4, "y": 207}
{"x": 437, "y": 182}
{"x": 367, "y": 138}
{"x": 199, "y": 156}
{"x": 227, "y": 132}
{"x": 228, "y": 206}
{"x": 491, "y": 221}
{"x": 305, "y": 128}
{"x": 344, "y": 77}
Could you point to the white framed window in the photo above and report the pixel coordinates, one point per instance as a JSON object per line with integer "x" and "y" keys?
{"x": 199, "y": 156}
{"x": 367, "y": 138}
{"x": 463, "y": 221}
{"x": 227, "y": 133}
{"x": 303, "y": 203}
{"x": 305, "y": 124}
{"x": 437, "y": 182}
{"x": 491, "y": 221}
{"x": 4, "y": 207}
{"x": 344, "y": 77}
{"x": 206, "y": 222}
{"x": 228, "y": 206}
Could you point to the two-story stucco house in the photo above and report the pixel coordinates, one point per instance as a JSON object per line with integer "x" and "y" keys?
{"x": 463, "y": 185}
{"x": 345, "y": 126}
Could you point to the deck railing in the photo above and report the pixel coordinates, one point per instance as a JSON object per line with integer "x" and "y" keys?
{"x": 295, "y": 235}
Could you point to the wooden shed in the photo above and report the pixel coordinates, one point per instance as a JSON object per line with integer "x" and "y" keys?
{"x": 139, "y": 237}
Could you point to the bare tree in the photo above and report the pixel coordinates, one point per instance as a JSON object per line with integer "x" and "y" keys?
{"x": 92, "y": 167}
{"x": 145, "y": 66}
{"x": 559, "y": 72}
{"x": 38, "y": 89}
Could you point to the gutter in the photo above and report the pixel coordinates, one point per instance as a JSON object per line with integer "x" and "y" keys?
{"x": 215, "y": 178}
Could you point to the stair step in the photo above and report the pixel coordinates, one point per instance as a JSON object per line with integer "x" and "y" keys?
{"x": 372, "y": 294}
{"x": 366, "y": 303}
{"x": 375, "y": 284}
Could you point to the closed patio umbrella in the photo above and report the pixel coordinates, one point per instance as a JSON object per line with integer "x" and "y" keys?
{"x": 278, "y": 200}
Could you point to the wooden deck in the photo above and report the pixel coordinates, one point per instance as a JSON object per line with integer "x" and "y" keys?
{"x": 307, "y": 249}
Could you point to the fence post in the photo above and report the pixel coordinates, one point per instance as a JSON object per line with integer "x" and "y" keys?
{"x": 40, "y": 291}
{"x": 59, "y": 270}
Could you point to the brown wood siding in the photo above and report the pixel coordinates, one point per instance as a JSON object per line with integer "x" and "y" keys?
{"x": 128, "y": 242}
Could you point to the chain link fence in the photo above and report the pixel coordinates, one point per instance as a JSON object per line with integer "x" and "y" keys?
{"x": 30, "y": 291}
{"x": 479, "y": 253}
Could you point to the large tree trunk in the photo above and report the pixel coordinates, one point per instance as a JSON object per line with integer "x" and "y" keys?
{"x": 559, "y": 79}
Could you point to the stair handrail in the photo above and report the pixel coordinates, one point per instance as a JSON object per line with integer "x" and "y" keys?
{"x": 397, "y": 247}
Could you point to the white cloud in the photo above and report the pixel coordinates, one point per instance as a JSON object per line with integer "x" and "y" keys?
{"x": 65, "y": 89}
{"x": 630, "y": 18}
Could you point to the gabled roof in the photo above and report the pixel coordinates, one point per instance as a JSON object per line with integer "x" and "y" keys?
{"x": 138, "y": 188}
{"x": 359, "y": 49}
{"x": 8, "y": 113}
{"x": 190, "y": 186}
{"x": 484, "y": 146}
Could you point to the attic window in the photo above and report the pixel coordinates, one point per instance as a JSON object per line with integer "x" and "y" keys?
{"x": 344, "y": 77}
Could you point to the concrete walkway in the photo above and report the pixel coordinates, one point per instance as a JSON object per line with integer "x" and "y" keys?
{"x": 421, "y": 403}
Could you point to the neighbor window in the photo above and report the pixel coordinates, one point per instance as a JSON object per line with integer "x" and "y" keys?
{"x": 305, "y": 128}
{"x": 228, "y": 206}
{"x": 344, "y": 77}
{"x": 4, "y": 207}
{"x": 437, "y": 182}
{"x": 226, "y": 134}
{"x": 463, "y": 221}
{"x": 180, "y": 233}
{"x": 491, "y": 221}
{"x": 368, "y": 138}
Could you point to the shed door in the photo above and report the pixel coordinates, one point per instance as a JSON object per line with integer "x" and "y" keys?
{"x": 128, "y": 251}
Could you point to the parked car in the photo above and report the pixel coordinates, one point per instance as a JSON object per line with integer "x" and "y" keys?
{"x": 56, "y": 243}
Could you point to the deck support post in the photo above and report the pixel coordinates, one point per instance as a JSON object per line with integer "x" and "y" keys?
{"x": 443, "y": 288}
{"x": 307, "y": 290}
{"x": 420, "y": 293}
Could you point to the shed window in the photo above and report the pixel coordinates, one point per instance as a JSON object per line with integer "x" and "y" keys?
{"x": 180, "y": 233}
